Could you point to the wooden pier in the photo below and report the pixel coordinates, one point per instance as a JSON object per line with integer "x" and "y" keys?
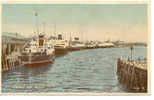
{"x": 11, "y": 48}
{"x": 133, "y": 74}
{"x": 10, "y": 62}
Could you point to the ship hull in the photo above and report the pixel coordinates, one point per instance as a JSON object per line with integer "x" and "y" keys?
{"x": 35, "y": 64}
{"x": 90, "y": 47}
{"x": 60, "y": 50}
{"x": 37, "y": 60}
{"x": 76, "y": 48}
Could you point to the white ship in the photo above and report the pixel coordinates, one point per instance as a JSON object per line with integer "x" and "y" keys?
{"x": 60, "y": 45}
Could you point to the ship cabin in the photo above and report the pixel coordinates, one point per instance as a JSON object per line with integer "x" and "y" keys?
{"x": 38, "y": 46}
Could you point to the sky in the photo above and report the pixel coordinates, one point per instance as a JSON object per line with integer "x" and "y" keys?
{"x": 126, "y": 22}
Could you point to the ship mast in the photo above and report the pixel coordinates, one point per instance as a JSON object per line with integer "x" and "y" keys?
{"x": 44, "y": 27}
{"x": 70, "y": 39}
{"x": 40, "y": 36}
{"x": 37, "y": 27}
{"x": 55, "y": 30}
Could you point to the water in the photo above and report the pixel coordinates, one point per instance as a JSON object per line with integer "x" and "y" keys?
{"x": 91, "y": 70}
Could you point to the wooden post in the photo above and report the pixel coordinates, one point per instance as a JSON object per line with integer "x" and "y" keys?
{"x": 131, "y": 76}
{"x": 131, "y": 48}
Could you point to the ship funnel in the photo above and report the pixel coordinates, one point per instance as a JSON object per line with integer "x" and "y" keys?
{"x": 41, "y": 39}
{"x": 60, "y": 37}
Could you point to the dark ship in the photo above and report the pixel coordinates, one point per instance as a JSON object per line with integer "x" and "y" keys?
{"x": 37, "y": 52}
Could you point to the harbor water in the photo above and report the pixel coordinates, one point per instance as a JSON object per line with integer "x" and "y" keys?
{"x": 91, "y": 70}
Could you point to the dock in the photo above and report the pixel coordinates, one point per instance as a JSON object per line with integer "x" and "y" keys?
{"x": 133, "y": 74}
{"x": 12, "y": 45}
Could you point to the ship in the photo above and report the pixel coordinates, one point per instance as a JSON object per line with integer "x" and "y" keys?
{"x": 39, "y": 51}
{"x": 76, "y": 45}
{"x": 60, "y": 45}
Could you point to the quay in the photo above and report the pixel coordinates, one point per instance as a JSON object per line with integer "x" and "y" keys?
{"x": 12, "y": 45}
{"x": 133, "y": 74}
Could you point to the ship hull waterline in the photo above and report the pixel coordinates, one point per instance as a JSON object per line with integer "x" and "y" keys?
{"x": 60, "y": 51}
{"x": 37, "y": 62}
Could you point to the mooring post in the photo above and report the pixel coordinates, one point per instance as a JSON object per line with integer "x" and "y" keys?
{"x": 131, "y": 48}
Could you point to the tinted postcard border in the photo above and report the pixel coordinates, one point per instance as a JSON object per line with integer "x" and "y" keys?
{"x": 84, "y": 2}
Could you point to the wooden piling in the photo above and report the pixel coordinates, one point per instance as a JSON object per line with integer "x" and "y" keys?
{"x": 10, "y": 61}
{"x": 133, "y": 74}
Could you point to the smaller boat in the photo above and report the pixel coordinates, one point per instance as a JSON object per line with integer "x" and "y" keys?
{"x": 105, "y": 45}
{"x": 90, "y": 46}
{"x": 76, "y": 45}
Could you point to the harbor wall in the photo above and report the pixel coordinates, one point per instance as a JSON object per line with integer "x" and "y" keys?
{"x": 133, "y": 74}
